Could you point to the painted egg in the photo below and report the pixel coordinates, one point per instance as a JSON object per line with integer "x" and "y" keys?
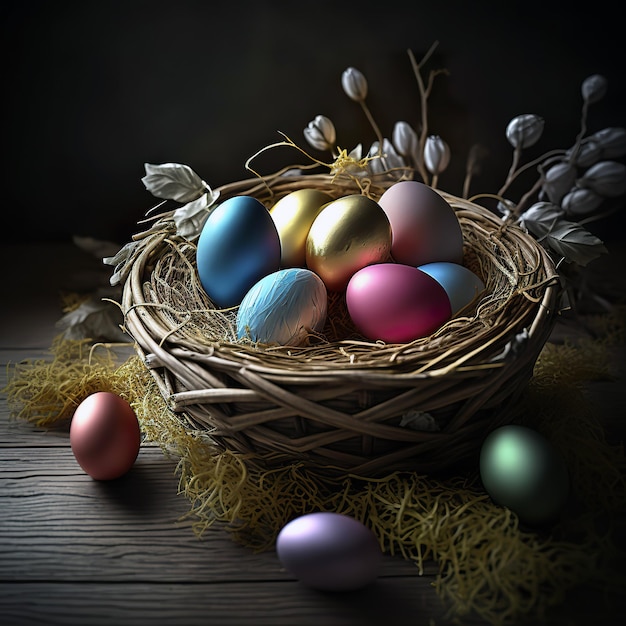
{"x": 329, "y": 551}
{"x": 105, "y": 436}
{"x": 238, "y": 245}
{"x": 396, "y": 303}
{"x": 521, "y": 470}
{"x": 283, "y": 307}
{"x": 348, "y": 234}
{"x": 425, "y": 228}
{"x": 293, "y": 215}
{"x": 461, "y": 284}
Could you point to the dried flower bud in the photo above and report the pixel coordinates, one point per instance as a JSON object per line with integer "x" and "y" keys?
{"x": 354, "y": 84}
{"x": 320, "y": 133}
{"x": 607, "y": 178}
{"x": 525, "y": 130}
{"x": 540, "y": 218}
{"x": 594, "y": 88}
{"x": 558, "y": 180}
{"x": 580, "y": 202}
{"x": 506, "y": 207}
{"x": 389, "y": 159}
{"x": 404, "y": 139}
{"x": 612, "y": 141}
{"x": 589, "y": 152}
{"x": 436, "y": 154}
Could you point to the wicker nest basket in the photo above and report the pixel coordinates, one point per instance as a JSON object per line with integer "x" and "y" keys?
{"x": 341, "y": 404}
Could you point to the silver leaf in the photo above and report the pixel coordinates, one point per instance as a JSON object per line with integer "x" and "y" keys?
{"x": 419, "y": 420}
{"x": 173, "y": 181}
{"x": 574, "y": 243}
{"x": 512, "y": 347}
{"x": 95, "y": 319}
{"x": 190, "y": 219}
{"x": 120, "y": 261}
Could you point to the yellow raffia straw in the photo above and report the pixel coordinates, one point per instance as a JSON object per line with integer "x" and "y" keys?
{"x": 488, "y": 566}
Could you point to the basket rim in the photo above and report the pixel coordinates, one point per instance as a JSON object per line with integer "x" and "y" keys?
{"x": 316, "y": 361}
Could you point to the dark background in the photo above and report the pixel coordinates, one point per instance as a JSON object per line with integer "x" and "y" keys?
{"x": 92, "y": 90}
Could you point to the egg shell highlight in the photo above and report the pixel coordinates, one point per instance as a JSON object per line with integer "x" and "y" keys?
{"x": 238, "y": 245}
{"x": 461, "y": 284}
{"x": 521, "y": 470}
{"x": 396, "y": 303}
{"x": 329, "y": 551}
{"x": 424, "y": 226}
{"x": 105, "y": 436}
{"x": 348, "y": 234}
{"x": 293, "y": 216}
{"x": 283, "y": 308}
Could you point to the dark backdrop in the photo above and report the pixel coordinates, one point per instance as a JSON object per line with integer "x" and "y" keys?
{"x": 92, "y": 90}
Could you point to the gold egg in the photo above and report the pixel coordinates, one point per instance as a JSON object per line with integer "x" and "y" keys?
{"x": 293, "y": 215}
{"x": 348, "y": 234}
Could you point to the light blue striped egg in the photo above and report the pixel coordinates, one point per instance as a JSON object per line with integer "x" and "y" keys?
{"x": 283, "y": 308}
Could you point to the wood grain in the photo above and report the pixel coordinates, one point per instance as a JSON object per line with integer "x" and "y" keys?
{"x": 74, "y": 551}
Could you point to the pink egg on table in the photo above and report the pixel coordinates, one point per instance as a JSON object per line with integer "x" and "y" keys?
{"x": 424, "y": 226}
{"x": 396, "y": 303}
{"x": 105, "y": 436}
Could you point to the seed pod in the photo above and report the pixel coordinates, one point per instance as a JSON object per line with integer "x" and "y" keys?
{"x": 320, "y": 133}
{"x": 436, "y": 154}
{"x": 580, "y": 202}
{"x": 589, "y": 152}
{"x": 540, "y": 218}
{"x": 404, "y": 139}
{"x": 525, "y": 130}
{"x": 594, "y": 88}
{"x": 354, "y": 84}
{"x": 612, "y": 141}
{"x": 607, "y": 178}
{"x": 558, "y": 180}
{"x": 388, "y": 160}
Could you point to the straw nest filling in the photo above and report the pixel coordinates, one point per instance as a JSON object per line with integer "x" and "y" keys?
{"x": 340, "y": 403}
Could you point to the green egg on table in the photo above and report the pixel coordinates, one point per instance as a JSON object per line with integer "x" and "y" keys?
{"x": 521, "y": 470}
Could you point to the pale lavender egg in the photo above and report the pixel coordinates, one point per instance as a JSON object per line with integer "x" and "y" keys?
{"x": 329, "y": 551}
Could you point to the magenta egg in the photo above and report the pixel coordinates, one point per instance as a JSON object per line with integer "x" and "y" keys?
{"x": 424, "y": 226}
{"x": 105, "y": 436}
{"x": 396, "y": 303}
{"x": 329, "y": 551}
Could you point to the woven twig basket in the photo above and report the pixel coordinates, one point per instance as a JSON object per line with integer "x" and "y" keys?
{"x": 341, "y": 404}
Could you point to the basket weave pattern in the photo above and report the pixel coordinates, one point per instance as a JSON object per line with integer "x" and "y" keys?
{"x": 340, "y": 403}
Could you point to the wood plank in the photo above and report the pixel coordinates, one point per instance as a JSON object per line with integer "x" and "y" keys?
{"x": 59, "y": 523}
{"x": 398, "y": 601}
{"x": 388, "y": 601}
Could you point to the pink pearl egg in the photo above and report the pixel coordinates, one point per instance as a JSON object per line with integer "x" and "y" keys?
{"x": 396, "y": 303}
{"x": 424, "y": 226}
{"x": 105, "y": 436}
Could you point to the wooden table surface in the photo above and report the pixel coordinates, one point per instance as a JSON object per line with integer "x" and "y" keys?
{"x": 77, "y": 551}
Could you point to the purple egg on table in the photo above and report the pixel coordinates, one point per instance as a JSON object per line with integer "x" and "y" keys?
{"x": 329, "y": 551}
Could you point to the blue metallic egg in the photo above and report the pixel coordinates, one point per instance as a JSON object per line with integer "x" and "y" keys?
{"x": 238, "y": 245}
